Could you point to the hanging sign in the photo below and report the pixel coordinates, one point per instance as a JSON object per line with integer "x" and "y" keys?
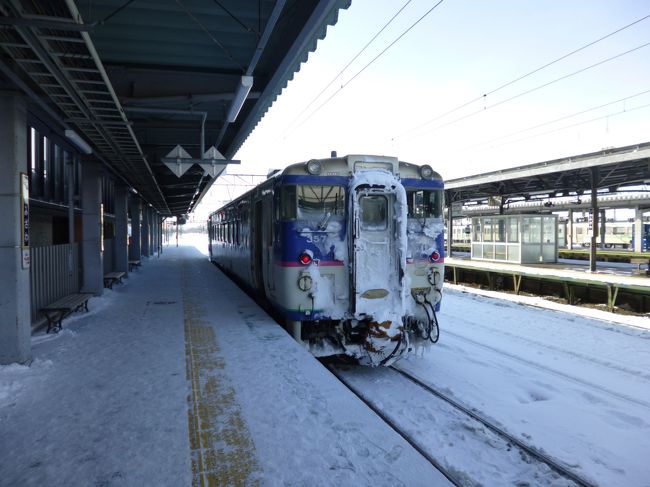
{"x": 24, "y": 218}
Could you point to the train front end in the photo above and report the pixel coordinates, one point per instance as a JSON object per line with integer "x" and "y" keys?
{"x": 367, "y": 236}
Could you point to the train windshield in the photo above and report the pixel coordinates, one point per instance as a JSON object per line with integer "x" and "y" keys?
{"x": 306, "y": 201}
{"x": 424, "y": 203}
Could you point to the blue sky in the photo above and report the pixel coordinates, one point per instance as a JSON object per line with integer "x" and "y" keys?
{"x": 460, "y": 51}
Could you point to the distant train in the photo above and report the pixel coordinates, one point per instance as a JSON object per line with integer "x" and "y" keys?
{"x": 618, "y": 235}
{"x": 348, "y": 251}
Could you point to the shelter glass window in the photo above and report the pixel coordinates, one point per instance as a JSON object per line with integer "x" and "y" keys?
{"x": 513, "y": 230}
{"x": 532, "y": 230}
{"x": 316, "y": 200}
{"x": 487, "y": 230}
{"x": 500, "y": 230}
{"x": 549, "y": 230}
{"x": 476, "y": 230}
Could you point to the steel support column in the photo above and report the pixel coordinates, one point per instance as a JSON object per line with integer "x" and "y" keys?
{"x": 595, "y": 217}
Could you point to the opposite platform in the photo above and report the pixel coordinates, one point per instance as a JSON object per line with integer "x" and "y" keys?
{"x": 178, "y": 378}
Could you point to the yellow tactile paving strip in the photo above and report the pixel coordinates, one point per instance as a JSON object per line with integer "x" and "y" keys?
{"x": 222, "y": 451}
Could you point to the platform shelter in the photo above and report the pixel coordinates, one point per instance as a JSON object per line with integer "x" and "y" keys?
{"x": 520, "y": 239}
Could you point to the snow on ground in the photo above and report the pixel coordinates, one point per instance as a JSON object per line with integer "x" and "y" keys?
{"x": 575, "y": 387}
{"x": 105, "y": 402}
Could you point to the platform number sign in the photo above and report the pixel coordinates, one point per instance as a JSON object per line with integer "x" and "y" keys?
{"x": 24, "y": 218}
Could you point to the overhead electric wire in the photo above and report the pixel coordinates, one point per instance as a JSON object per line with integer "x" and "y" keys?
{"x": 625, "y": 110}
{"x": 521, "y": 77}
{"x": 349, "y": 63}
{"x": 544, "y": 85}
{"x": 559, "y": 119}
{"x": 371, "y": 62}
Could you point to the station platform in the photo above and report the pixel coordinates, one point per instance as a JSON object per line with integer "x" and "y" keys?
{"x": 611, "y": 284}
{"x": 176, "y": 377}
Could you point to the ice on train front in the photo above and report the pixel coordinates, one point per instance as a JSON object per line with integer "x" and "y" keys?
{"x": 372, "y": 269}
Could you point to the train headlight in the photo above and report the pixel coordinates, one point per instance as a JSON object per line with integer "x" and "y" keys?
{"x": 426, "y": 172}
{"x": 314, "y": 167}
{"x": 305, "y": 257}
{"x": 305, "y": 282}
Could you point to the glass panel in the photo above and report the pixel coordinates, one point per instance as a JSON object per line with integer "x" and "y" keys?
{"x": 488, "y": 251}
{"x": 500, "y": 235}
{"x": 549, "y": 230}
{"x": 425, "y": 203}
{"x": 500, "y": 252}
{"x": 288, "y": 202}
{"x": 513, "y": 229}
{"x": 476, "y": 230}
{"x": 487, "y": 230}
{"x": 532, "y": 230}
{"x": 513, "y": 253}
{"x": 57, "y": 174}
{"x": 374, "y": 211}
{"x": 477, "y": 251}
{"x": 320, "y": 200}
{"x": 36, "y": 187}
{"x": 47, "y": 170}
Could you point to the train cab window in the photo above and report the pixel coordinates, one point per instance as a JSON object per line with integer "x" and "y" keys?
{"x": 374, "y": 212}
{"x": 424, "y": 203}
{"x": 307, "y": 201}
{"x": 315, "y": 200}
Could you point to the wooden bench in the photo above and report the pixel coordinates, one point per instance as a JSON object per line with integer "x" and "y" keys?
{"x": 641, "y": 261}
{"x": 133, "y": 263}
{"x": 56, "y": 311}
{"x": 113, "y": 277}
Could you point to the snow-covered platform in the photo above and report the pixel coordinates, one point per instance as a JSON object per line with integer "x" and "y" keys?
{"x": 178, "y": 378}
{"x": 617, "y": 282}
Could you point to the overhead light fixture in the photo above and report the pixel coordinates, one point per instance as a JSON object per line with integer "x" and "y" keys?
{"x": 243, "y": 88}
{"x": 76, "y": 139}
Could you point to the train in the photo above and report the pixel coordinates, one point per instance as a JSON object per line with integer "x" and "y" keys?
{"x": 618, "y": 234}
{"x": 348, "y": 252}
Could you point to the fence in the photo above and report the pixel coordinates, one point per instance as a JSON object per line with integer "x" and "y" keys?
{"x": 54, "y": 274}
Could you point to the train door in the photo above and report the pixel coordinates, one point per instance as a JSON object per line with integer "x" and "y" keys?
{"x": 257, "y": 242}
{"x": 376, "y": 269}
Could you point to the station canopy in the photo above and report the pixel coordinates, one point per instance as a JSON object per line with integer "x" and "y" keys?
{"x": 609, "y": 169}
{"x": 136, "y": 79}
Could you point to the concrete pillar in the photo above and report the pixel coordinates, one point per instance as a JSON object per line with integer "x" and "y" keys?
{"x": 638, "y": 230}
{"x": 121, "y": 255}
{"x": 135, "y": 248}
{"x": 15, "y": 316}
{"x": 91, "y": 244}
{"x": 569, "y": 231}
{"x": 146, "y": 231}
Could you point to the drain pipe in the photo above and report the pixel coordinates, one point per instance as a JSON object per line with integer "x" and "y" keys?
{"x": 165, "y": 111}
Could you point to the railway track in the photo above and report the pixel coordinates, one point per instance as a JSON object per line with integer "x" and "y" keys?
{"x": 451, "y": 473}
{"x": 531, "y": 451}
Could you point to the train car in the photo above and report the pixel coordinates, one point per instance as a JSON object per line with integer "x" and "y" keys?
{"x": 347, "y": 250}
{"x": 618, "y": 235}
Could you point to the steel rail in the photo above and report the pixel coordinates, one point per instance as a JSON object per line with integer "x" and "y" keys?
{"x": 557, "y": 467}
{"x": 437, "y": 465}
